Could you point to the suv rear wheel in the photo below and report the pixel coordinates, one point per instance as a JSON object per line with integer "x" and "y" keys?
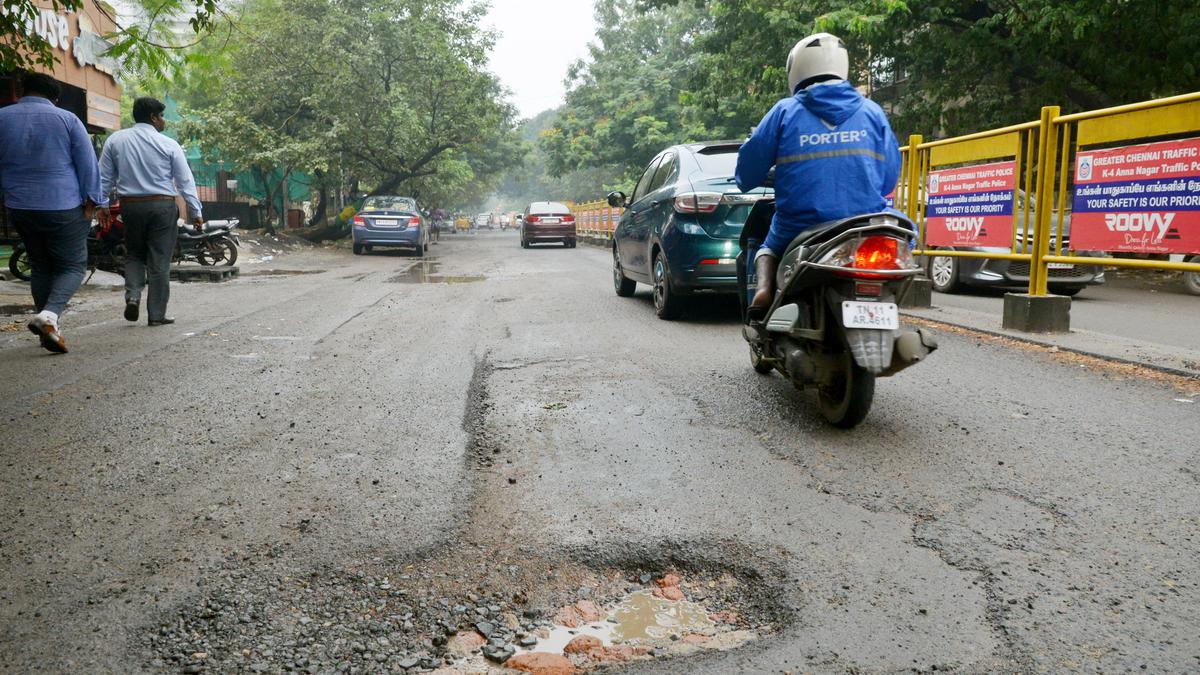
{"x": 668, "y": 304}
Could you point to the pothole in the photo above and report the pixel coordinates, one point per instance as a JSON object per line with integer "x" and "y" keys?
{"x": 13, "y": 310}
{"x": 476, "y": 611}
{"x": 426, "y": 272}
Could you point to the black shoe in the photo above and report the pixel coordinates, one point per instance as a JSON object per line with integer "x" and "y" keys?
{"x": 165, "y": 321}
{"x": 131, "y": 311}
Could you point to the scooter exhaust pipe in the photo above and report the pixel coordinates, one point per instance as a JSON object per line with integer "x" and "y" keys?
{"x": 911, "y": 348}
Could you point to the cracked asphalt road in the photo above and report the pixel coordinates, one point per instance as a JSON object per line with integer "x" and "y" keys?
{"x": 1000, "y": 509}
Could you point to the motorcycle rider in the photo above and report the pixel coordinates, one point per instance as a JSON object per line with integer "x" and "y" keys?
{"x": 834, "y": 154}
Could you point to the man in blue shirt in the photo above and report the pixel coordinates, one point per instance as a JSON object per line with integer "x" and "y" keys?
{"x": 834, "y": 154}
{"x": 147, "y": 169}
{"x": 48, "y": 177}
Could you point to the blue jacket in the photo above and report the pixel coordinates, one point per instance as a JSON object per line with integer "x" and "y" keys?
{"x": 834, "y": 152}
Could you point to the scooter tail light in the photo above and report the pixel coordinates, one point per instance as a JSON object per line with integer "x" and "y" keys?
{"x": 878, "y": 253}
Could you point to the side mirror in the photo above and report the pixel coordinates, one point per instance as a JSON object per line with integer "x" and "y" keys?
{"x": 617, "y": 199}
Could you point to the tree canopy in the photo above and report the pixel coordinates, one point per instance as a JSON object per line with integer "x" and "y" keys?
{"x": 394, "y": 94}
{"x": 670, "y": 71}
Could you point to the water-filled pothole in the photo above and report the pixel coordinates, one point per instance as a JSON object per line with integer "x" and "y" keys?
{"x": 425, "y": 272}
{"x": 13, "y": 310}
{"x": 474, "y": 611}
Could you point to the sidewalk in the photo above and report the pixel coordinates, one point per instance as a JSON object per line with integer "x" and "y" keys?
{"x": 1166, "y": 358}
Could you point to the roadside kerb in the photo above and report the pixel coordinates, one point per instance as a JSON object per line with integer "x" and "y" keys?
{"x": 1161, "y": 358}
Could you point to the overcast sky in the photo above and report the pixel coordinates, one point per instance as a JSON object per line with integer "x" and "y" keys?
{"x": 538, "y": 40}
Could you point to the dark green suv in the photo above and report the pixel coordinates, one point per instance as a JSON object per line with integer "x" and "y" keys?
{"x": 679, "y": 232}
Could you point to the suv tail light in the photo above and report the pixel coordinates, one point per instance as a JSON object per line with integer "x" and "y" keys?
{"x": 697, "y": 202}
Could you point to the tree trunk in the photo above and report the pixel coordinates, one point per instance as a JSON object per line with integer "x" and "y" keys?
{"x": 322, "y": 201}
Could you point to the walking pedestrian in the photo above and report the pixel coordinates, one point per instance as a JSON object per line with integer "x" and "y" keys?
{"x": 49, "y": 179}
{"x": 147, "y": 169}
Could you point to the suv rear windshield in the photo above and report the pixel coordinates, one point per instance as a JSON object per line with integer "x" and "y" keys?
{"x": 719, "y": 160}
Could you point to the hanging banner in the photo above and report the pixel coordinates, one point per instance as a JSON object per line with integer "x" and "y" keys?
{"x": 1138, "y": 198}
{"x": 971, "y": 206}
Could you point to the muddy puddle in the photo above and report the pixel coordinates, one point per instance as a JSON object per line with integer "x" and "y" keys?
{"x": 426, "y": 272}
{"x": 638, "y": 619}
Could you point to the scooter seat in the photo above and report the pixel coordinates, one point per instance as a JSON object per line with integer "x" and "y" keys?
{"x": 826, "y": 230}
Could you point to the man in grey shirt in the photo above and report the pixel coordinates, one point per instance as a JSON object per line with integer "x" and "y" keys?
{"x": 147, "y": 169}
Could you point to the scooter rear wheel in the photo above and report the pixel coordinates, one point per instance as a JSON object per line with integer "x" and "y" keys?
{"x": 846, "y": 402}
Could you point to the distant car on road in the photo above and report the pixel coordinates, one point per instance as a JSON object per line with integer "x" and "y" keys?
{"x": 545, "y": 222}
{"x": 390, "y": 221}
{"x": 679, "y": 232}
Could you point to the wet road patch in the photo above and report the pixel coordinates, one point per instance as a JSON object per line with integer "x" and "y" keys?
{"x": 469, "y": 612}
{"x": 426, "y": 272}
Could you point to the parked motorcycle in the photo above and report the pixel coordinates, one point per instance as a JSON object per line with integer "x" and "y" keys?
{"x": 834, "y": 324}
{"x": 216, "y": 245}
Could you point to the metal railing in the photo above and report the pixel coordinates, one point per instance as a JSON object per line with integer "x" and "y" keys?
{"x": 1042, "y": 156}
{"x": 596, "y": 219}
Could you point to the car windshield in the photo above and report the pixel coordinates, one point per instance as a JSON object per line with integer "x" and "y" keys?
{"x": 389, "y": 204}
{"x": 718, "y": 161}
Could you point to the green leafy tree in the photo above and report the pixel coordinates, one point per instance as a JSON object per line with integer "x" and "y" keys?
{"x": 623, "y": 101}
{"x": 944, "y": 67}
{"x": 391, "y": 93}
{"x": 143, "y": 47}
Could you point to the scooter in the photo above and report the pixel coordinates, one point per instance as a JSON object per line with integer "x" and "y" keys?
{"x": 834, "y": 324}
{"x": 216, "y": 245}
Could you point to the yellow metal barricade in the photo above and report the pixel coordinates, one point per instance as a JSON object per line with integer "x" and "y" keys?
{"x": 1088, "y": 147}
{"x": 596, "y": 219}
{"x": 962, "y": 175}
{"x": 1045, "y": 155}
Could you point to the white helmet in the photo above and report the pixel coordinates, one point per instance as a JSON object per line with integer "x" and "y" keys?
{"x": 816, "y": 55}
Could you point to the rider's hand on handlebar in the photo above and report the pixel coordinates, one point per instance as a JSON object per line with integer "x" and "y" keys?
{"x": 103, "y": 215}
{"x": 198, "y": 223}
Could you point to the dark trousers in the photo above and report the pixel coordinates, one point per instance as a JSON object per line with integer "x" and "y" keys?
{"x": 57, "y": 246}
{"x": 151, "y": 229}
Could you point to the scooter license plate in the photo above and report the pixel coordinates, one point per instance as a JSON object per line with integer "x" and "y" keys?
{"x": 880, "y": 315}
